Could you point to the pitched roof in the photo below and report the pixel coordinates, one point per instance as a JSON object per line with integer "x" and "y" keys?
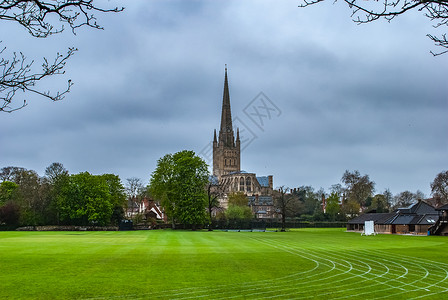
{"x": 403, "y": 220}
{"x": 443, "y": 207}
{"x": 429, "y": 219}
{"x": 420, "y": 207}
{"x": 378, "y": 218}
{"x": 263, "y": 181}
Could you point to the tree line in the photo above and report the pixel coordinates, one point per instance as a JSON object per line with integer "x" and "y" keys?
{"x": 182, "y": 185}
{"x": 356, "y": 195}
{"x": 59, "y": 198}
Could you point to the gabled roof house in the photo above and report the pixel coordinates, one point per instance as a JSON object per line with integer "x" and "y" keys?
{"x": 418, "y": 218}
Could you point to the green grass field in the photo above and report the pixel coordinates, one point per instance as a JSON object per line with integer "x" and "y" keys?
{"x": 165, "y": 264}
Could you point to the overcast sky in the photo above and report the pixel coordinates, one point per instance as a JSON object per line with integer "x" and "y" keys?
{"x": 335, "y": 95}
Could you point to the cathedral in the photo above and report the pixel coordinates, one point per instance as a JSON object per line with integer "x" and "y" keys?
{"x": 227, "y": 171}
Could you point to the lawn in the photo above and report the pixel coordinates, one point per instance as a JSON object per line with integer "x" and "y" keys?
{"x": 166, "y": 264}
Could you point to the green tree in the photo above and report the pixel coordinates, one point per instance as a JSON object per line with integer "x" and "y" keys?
{"x": 308, "y": 200}
{"x": 358, "y": 188}
{"x": 179, "y": 182}
{"x": 350, "y": 208}
{"x": 117, "y": 197}
{"x": 86, "y": 200}
{"x": 9, "y": 208}
{"x": 380, "y": 203}
{"x": 238, "y": 208}
{"x": 8, "y": 192}
{"x": 238, "y": 213}
{"x": 238, "y": 199}
{"x": 162, "y": 186}
{"x": 33, "y": 197}
{"x": 57, "y": 176}
{"x": 333, "y": 207}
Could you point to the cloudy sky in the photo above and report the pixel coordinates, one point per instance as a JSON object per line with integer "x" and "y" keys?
{"x": 334, "y": 95}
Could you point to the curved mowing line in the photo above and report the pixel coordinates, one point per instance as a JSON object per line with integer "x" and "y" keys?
{"x": 390, "y": 287}
{"x": 319, "y": 280}
{"x": 284, "y": 247}
{"x": 418, "y": 280}
{"x": 435, "y": 265}
{"x": 251, "y": 286}
{"x": 298, "y": 281}
{"x": 365, "y": 279}
{"x": 384, "y": 268}
{"x": 308, "y": 286}
{"x": 283, "y": 282}
{"x": 406, "y": 271}
{"x": 333, "y": 281}
{"x": 195, "y": 290}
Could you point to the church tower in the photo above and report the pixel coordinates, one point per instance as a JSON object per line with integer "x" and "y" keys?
{"x": 226, "y": 149}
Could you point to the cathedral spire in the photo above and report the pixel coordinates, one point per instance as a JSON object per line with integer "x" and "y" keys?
{"x": 226, "y": 150}
{"x": 226, "y": 134}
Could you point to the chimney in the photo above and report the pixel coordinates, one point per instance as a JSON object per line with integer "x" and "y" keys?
{"x": 271, "y": 181}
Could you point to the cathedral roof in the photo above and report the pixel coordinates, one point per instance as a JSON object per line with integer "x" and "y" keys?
{"x": 263, "y": 181}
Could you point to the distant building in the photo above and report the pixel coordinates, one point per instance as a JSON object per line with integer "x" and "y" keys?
{"x": 415, "y": 219}
{"x": 227, "y": 166}
{"x": 148, "y": 208}
{"x": 441, "y": 226}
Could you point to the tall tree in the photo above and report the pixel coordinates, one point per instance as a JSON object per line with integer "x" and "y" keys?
{"x": 136, "y": 192}
{"x": 179, "y": 182}
{"x": 10, "y": 173}
{"x": 358, "y": 188}
{"x": 55, "y": 171}
{"x": 8, "y": 192}
{"x": 366, "y": 12}
{"x": 439, "y": 187}
{"x": 86, "y": 200}
{"x": 133, "y": 186}
{"x": 380, "y": 203}
{"x": 117, "y": 197}
{"x": 333, "y": 206}
{"x": 162, "y": 186}
{"x": 406, "y": 198}
{"x": 33, "y": 198}
{"x": 308, "y": 200}
{"x": 285, "y": 203}
{"x": 41, "y": 18}
{"x": 57, "y": 177}
{"x": 215, "y": 190}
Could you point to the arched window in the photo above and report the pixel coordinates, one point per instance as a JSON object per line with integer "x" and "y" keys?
{"x": 242, "y": 184}
{"x": 248, "y": 184}
{"x": 235, "y": 184}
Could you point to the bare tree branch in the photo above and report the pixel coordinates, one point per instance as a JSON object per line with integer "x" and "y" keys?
{"x": 17, "y": 75}
{"x": 37, "y": 17}
{"x": 34, "y": 14}
{"x": 435, "y": 10}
